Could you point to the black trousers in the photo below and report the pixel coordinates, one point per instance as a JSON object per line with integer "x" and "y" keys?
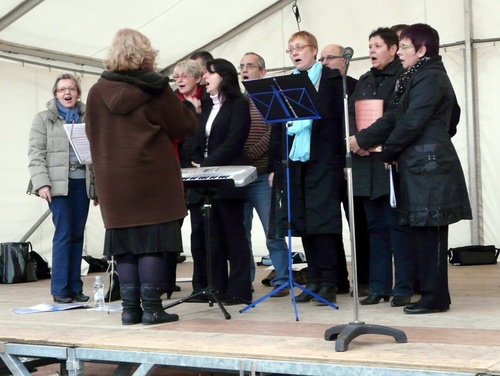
{"x": 229, "y": 248}
{"x": 321, "y": 255}
{"x": 198, "y": 248}
{"x": 432, "y": 266}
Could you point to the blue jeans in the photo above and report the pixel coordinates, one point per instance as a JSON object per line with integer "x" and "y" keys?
{"x": 388, "y": 240}
{"x": 259, "y": 197}
{"x": 69, "y": 214}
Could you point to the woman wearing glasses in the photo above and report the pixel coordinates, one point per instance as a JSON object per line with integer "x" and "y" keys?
{"x": 67, "y": 185}
{"x": 371, "y": 181}
{"x": 432, "y": 193}
{"x": 316, "y": 161}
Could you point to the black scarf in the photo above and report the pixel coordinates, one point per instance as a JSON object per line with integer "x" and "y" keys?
{"x": 405, "y": 77}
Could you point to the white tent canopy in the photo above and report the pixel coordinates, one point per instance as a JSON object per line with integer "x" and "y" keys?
{"x": 41, "y": 39}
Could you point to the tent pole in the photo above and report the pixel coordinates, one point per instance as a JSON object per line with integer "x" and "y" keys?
{"x": 35, "y": 226}
{"x": 472, "y": 136}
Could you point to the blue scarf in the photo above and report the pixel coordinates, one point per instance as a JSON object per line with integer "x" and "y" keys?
{"x": 301, "y": 146}
{"x": 70, "y": 115}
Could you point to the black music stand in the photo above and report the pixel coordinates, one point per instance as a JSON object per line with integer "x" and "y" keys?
{"x": 208, "y": 189}
{"x": 344, "y": 334}
{"x": 284, "y": 99}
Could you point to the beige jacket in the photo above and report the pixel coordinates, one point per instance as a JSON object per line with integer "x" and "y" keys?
{"x": 48, "y": 153}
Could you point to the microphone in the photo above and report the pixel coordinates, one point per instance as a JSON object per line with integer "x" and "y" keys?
{"x": 348, "y": 52}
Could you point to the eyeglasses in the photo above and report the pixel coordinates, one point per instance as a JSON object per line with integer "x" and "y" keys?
{"x": 329, "y": 57}
{"x": 405, "y": 46}
{"x": 248, "y": 66}
{"x": 298, "y": 48}
{"x": 184, "y": 75}
{"x": 64, "y": 89}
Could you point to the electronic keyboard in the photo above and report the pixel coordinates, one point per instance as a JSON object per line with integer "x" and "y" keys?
{"x": 218, "y": 176}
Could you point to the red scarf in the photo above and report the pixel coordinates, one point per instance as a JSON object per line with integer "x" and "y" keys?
{"x": 197, "y": 95}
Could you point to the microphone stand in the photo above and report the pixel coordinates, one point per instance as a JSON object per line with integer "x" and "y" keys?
{"x": 344, "y": 334}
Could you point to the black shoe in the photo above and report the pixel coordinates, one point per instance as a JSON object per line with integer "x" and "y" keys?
{"x": 200, "y": 298}
{"x": 417, "y": 309}
{"x": 374, "y": 299}
{"x": 304, "y": 296}
{"x": 343, "y": 290}
{"x": 180, "y": 259}
{"x": 62, "y": 299}
{"x": 400, "y": 301}
{"x": 329, "y": 293}
{"x": 80, "y": 298}
{"x": 158, "y": 317}
{"x": 363, "y": 290}
{"x": 234, "y": 301}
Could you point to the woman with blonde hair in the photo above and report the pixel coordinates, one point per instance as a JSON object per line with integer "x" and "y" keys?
{"x": 132, "y": 118}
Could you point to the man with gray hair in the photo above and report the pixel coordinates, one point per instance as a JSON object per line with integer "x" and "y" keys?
{"x": 252, "y": 66}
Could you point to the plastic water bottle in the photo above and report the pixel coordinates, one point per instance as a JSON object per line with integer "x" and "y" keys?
{"x": 99, "y": 293}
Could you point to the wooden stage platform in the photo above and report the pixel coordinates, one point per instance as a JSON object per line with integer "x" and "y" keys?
{"x": 263, "y": 340}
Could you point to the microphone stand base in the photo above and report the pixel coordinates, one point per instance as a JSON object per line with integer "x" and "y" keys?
{"x": 344, "y": 334}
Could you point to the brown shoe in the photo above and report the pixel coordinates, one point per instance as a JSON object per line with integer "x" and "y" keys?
{"x": 285, "y": 291}
{"x": 267, "y": 281}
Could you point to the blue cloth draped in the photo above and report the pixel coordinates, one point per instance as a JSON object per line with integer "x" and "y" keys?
{"x": 70, "y": 115}
{"x": 301, "y": 146}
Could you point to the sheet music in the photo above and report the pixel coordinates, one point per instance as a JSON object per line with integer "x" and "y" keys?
{"x": 280, "y": 99}
{"x": 79, "y": 141}
{"x": 392, "y": 195}
{"x": 367, "y": 111}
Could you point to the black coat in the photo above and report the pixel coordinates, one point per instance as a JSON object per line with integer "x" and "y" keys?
{"x": 370, "y": 178}
{"x": 226, "y": 142}
{"x": 432, "y": 189}
{"x": 315, "y": 184}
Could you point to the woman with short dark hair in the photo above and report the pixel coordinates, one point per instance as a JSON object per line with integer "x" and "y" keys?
{"x": 388, "y": 240}
{"x": 432, "y": 193}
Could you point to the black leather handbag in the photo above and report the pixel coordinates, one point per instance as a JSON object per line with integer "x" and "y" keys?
{"x": 473, "y": 255}
{"x": 16, "y": 265}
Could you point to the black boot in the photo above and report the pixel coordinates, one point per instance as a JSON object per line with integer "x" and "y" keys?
{"x": 327, "y": 292}
{"x": 304, "y": 296}
{"x": 152, "y": 304}
{"x": 131, "y": 303}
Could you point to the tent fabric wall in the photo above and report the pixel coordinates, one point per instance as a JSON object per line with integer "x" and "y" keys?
{"x": 26, "y": 88}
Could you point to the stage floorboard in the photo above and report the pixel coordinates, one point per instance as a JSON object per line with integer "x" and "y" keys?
{"x": 264, "y": 339}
